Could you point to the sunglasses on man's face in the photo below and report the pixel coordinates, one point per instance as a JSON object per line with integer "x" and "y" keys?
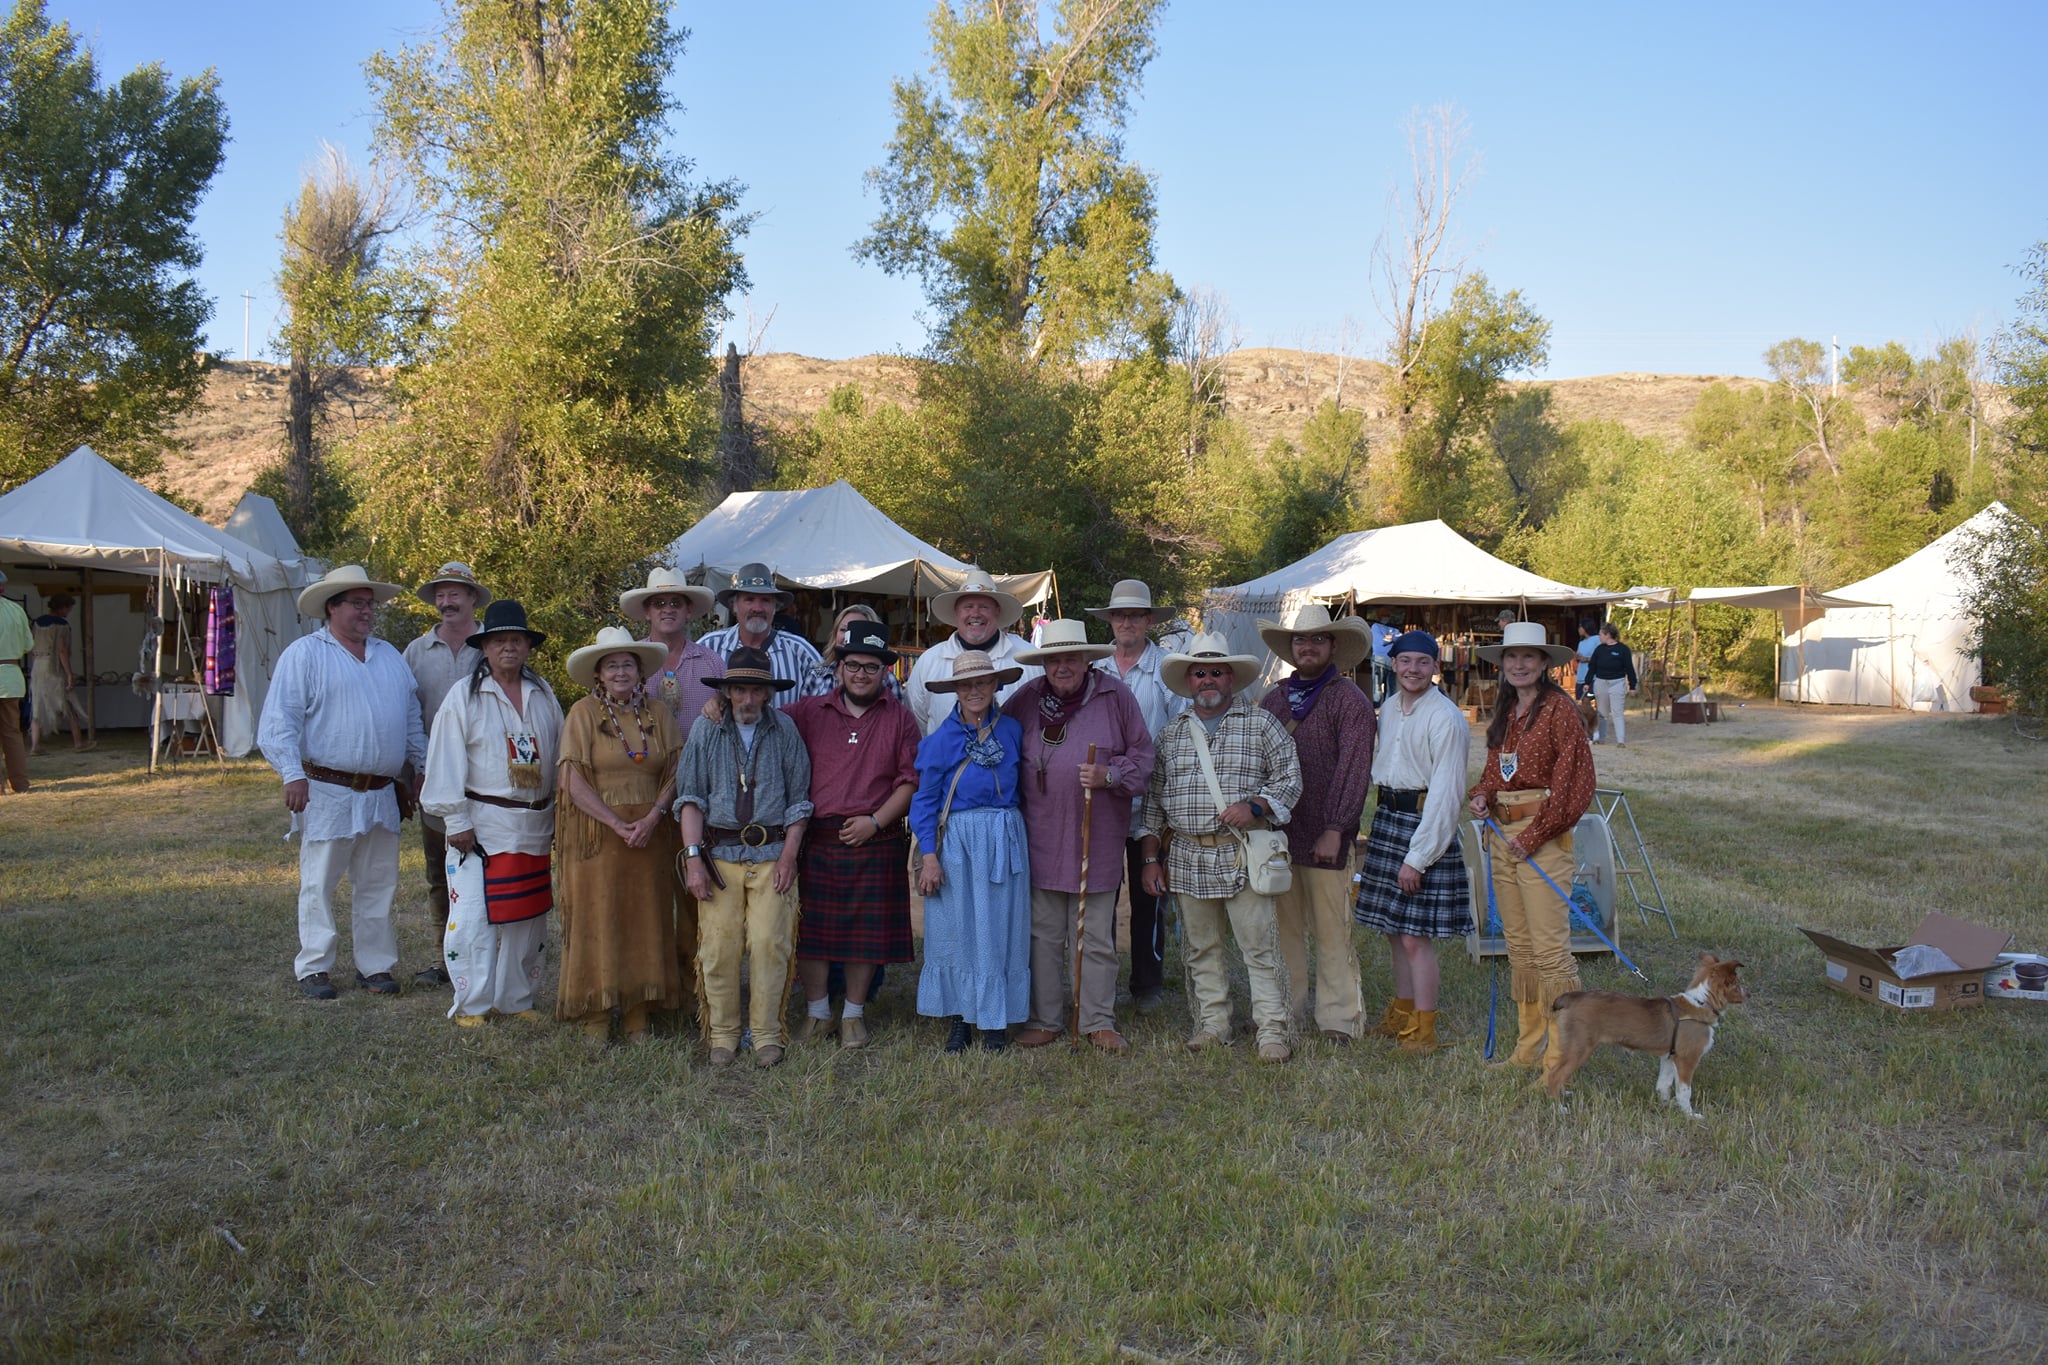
{"x": 1208, "y": 673}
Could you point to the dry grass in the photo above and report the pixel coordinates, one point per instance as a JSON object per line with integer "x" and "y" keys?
{"x": 1865, "y": 1185}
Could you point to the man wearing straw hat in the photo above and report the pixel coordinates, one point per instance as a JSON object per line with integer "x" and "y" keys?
{"x": 1087, "y": 753}
{"x": 439, "y": 659}
{"x": 743, "y": 799}
{"x": 1260, "y": 781}
{"x": 1135, "y": 663}
{"x": 340, "y": 724}
{"x": 981, "y": 615}
{"x": 668, "y": 604}
{"x": 1332, "y": 722}
{"x": 754, "y": 599}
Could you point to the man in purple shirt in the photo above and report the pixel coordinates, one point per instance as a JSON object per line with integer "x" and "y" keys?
{"x": 1065, "y": 712}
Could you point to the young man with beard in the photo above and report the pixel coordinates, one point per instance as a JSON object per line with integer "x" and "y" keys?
{"x": 856, "y": 898}
{"x": 754, "y": 600}
{"x": 981, "y": 616}
{"x": 439, "y": 659}
{"x": 1260, "y": 778}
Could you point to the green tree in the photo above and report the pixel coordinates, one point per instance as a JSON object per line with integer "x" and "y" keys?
{"x": 99, "y": 330}
{"x": 1752, "y": 433}
{"x": 1800, "y": 368}
{"x": 1006, "y": 191}
{"x": 1309, "y": 496}
{"x": 2022, "y": 367}
{"x": 2008, "y": 567}
{"x": 559, "y": 425}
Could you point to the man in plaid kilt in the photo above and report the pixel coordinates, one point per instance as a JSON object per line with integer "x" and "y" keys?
{"x": 1414, "y": 889}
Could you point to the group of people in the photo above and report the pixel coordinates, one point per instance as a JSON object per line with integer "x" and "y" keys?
{"x": 743, "y": 801}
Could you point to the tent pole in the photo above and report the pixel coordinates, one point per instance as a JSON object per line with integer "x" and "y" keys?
{"x": 92, "y": 707}
{"x": 1891, "y": 651}
{"x": 1670, "y": 624}
{"x": 156, "y": 696}
{"x": 1692, "y": 620}
{"x": 1800, "y": 691}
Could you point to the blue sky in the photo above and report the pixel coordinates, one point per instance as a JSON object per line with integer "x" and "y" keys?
{"x": 1675, "y": 188}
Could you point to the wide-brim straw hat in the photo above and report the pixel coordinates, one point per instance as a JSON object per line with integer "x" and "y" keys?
{"x": 1063, "y": 637}
{"x": 1351, "y": 636}
{"x": 756, "y": 578}
{"x": 462, "y": 576}
{"x": 614, "y": 640}
{"x": 313, "y": 597}
{"x": 661, "y": 583}
{"x": 1207, "y": 649}
{"x": 1130, "y": 594}
{"x": 747, "y": 666}
{"x": 505, "y": 617}
{"x": 1527, "y": 635}
{"x": 977, "y": 584}
{"x": 972, "y": 665}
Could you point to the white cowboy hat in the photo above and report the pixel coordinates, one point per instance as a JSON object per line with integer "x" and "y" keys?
{"x": 462, "y": 576}
{"x": 1131, "y": 594}
{"x": 313, "y": 597}
{"x": 614, "y": 640}
{"x": 972, "y": 665}
{"x": 1207, "y": 649}
{"x": 660, "y": 583}
{"x": 977, "y": 584}
{"x": 1351, "y": 637}
{"x": 1527, "y": 635}
{"x": 1063, "y": 637}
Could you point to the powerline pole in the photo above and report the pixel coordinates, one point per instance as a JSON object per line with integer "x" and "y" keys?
{"x": 1834, "y": 367}
{"x": 246, "y": 296}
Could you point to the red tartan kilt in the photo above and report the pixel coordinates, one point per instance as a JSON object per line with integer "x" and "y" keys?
{"x": 517, "y": 886}
{"x": 855, "y": 901}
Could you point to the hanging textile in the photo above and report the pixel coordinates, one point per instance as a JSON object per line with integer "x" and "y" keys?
{"x": 220, "y": 642}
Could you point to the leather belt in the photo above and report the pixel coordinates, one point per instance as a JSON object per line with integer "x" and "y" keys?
{"x": 507, "y": 802}
{"x": 1507, "y": 809}
{"x": 1405, "y": 802}
{"x": 355, "y": 782}
{"x": 749, "y": 836}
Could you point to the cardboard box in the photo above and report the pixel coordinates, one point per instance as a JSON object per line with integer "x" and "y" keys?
{"x": 1695, "y": 712}
{"x": 2003, "y": 982}
{"x": 1868, "y": 972}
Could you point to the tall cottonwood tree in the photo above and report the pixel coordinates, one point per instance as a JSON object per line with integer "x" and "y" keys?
{"x": 1006, "y": 192}
{"x": 560, "y": 424}
{"x": 100, "y": 328}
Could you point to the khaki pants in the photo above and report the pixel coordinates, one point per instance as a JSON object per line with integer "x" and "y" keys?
{"x": 1258, "y": 942}
{"x": 1052, "y": 957}
{"x": 1533, "y": 918}
{"x": 1319, "y": 904}
{"x": 748, "y": 917}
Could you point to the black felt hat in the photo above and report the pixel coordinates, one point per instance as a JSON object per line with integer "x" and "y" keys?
{"x": 503, "y": 617}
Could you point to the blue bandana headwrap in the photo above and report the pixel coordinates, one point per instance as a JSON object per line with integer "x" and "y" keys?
{"x": 1414, "y": 642}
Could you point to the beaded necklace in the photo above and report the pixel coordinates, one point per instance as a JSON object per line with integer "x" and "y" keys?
{"x": 639, "y": 723}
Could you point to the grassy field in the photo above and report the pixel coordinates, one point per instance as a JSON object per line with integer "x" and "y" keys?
{"x": 199, "y": 1164}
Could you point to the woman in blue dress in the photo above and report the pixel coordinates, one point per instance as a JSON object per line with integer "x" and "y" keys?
{"x": 974, "y": 872}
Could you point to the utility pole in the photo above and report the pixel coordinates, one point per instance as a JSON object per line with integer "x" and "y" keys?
{"x": 245, "y": 323}
{"x": 1834, "y": 367}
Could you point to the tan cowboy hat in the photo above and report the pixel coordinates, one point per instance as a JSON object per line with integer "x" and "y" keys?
{"x": 1063, "y": 637}
{"x": 614, "y": 640}
{"x": 1351, "y": 636}
{"x": 462, "y": 576}
{"x": 1207, "y": 649}
{"x": 977, "y": 584}
{"x": 1527, "y": 635}
{"x": 660, "y": 583}
{"x": 1131, "y": 594}
{"x": 313, "y": 597}
{"x": 972, "y": 665}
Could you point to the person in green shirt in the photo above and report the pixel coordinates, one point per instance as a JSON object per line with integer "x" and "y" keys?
{"x": 15, "y": 641}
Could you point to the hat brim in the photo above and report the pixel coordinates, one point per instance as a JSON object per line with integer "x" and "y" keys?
{"x": 747, "y": 680}
{"x": 838, "y": 652}
{"x": 582, "y": 666}
{"x": 1353, "y": 641}
{"x": 534, "y": 637}
{"x": 313, "y": 598}
{"x": 1558, "y": 654}
{"x": 1086, "y": 649}
{"x": 1001, "y": 677}
{"x": 425, "y": 591}
{"x": 725, "y": 595}
{"x": 633, "y": 602}
{"x": 1158, "y": 614}
{"x": 1174, "y": 671}
{"x": 1008, "y": 608}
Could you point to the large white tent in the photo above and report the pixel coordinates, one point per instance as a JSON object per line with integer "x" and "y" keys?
{"x": 828, "y": 538}
{"x": 85, "y": 515}
{"x": 1908, "y": 649}
{"x": 257, "y": 522}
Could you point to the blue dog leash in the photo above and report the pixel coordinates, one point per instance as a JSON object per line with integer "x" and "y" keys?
{"x": 1492, "y": 931}
{"x": 1571, "y": 906}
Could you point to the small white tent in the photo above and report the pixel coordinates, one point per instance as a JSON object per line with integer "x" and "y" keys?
{"x": 829, "y": 538}
{"x": 83, "y": 514}
{"x": 1910, "y": 650}
{"x": 257, "y": 522}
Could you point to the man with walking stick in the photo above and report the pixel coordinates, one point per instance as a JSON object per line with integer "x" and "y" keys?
{"x": 1083, "y": 734}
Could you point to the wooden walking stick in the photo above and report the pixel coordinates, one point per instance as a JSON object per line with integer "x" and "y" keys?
{"x": 1081, "y": 912}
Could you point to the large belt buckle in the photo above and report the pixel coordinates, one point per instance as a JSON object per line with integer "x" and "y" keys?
{"x": 360, "y": 782}
{"x": 754, "y": 836}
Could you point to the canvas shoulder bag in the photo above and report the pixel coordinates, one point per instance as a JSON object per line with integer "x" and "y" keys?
{"x": 1268, "y": 870}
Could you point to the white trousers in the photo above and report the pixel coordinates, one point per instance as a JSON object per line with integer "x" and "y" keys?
{"x": 1610, "y": 695}
{"x": 370, "y": 862}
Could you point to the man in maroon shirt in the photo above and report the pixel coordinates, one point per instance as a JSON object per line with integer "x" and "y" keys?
{"x": 854, "y": 877}
{"x": 1333, "y": 725}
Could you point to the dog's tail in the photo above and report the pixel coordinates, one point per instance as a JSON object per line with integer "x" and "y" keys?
{"x": 1564, "y": 1001}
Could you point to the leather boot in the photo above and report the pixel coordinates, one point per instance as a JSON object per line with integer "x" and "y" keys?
{"x": 1420, "y": 1034}
{"x": 1528, "y": 1053}
{"x": 1394, "y": 1020}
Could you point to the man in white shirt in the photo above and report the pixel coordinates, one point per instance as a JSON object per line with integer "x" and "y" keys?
{"x": 1135, "y": 663}
{"x": 439, "y": 659}
{"x": 753, "y": 600}
{"x": 340, "y": 724}
{"x": 981, "y": 616}
{"x": 1413, "y": 888}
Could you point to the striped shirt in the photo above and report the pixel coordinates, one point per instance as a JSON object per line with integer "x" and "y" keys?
{"x": 789, "y": 656}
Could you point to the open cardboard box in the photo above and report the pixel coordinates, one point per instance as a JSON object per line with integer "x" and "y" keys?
{"x": 1868, "y": 972}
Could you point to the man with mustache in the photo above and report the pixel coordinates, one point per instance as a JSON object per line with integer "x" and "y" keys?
{"x": 753, "y": 599}
{"x": 439, "y": 659}
{"x": 981, "y": 616}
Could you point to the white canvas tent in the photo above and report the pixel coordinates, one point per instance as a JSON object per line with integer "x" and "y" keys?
{"x": 1796, "y": 605}
{"x": 1907, "y": 648}
{"x": 257, "y": 522}
{"x": 829, "y": 538}
{"x": 85, "y": 515}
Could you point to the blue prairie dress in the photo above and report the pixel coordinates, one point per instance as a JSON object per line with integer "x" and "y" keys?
{"x": 977, "y": 925}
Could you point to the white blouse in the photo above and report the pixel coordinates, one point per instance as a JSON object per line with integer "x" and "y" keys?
{"x": 1428, "y": 751}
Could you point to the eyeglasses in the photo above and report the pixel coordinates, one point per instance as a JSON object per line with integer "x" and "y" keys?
{"x": 866, "y": 670}
{"x": 358, "y": 603}
{"x": 659, "y": 603}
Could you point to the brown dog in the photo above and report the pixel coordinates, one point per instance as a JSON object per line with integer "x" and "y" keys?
{"x": 1681, "y": 1027}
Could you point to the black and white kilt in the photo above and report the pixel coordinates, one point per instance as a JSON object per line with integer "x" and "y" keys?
{"x": 1441, "y": 909}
